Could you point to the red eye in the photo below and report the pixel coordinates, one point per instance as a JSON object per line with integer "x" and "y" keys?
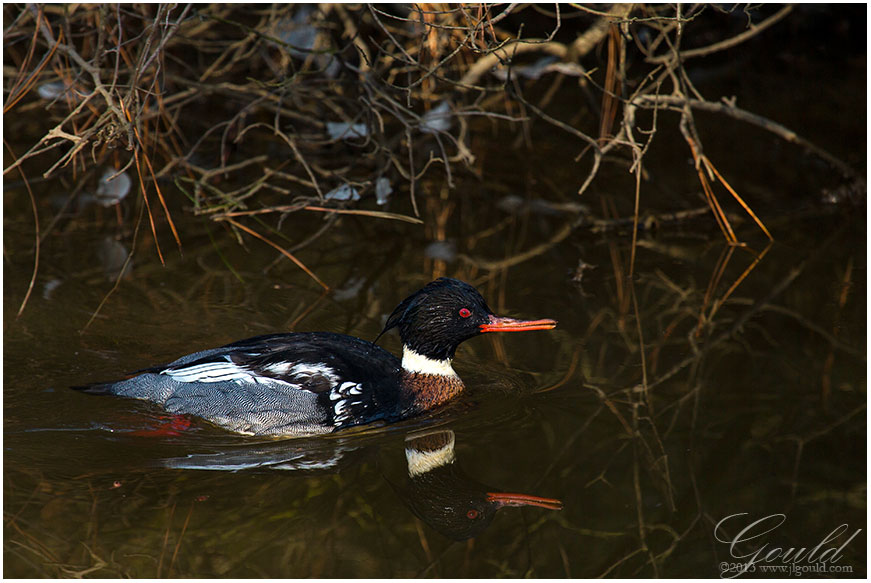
{"x": 465, "y": 312}
{"x": 472, "y": 514}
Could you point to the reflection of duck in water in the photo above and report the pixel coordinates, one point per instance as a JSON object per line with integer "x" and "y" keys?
{"x": 317, "y": 382}
{"x": 292, "y": 455}
{"x": 444, "y": 497}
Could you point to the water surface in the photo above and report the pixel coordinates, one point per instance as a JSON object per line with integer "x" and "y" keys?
{"x": 653, "y": 411}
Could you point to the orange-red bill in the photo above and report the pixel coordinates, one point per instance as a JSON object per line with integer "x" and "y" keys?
{"x": 498, "y": 324}
{"x": 508, "y": 499}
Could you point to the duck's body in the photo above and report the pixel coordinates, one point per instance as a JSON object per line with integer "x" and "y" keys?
{"x": 309, "y": 383}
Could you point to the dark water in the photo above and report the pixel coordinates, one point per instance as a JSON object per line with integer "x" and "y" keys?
{"x": 649, "y": 418}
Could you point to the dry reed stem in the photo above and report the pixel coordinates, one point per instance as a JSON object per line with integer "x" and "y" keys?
{"x": 735, "y": 195}
{"x": 38, "y": 239}
{"x": 756, "y": 260}
{"x": 121, "y": 272}
{"x": 280, "y": 249}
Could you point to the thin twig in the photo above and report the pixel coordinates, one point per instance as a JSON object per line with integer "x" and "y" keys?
{"x": 283, "y": 251}
{"x": 36, "y": 245}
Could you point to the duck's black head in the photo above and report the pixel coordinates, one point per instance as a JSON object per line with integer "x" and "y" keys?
{"x": 436, "y": 319}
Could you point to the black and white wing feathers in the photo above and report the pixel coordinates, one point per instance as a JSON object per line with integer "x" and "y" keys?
{"x": 278, "y": 384}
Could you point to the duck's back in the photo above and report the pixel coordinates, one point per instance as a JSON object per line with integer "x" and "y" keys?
{"x": 278, "y": 384}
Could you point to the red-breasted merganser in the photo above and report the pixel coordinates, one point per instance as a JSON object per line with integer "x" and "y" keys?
{"x": 308, "y": 383}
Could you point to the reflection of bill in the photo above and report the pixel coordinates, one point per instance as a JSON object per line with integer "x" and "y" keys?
{"x": 778, "y": 559}
{"x": 443, "y": 496}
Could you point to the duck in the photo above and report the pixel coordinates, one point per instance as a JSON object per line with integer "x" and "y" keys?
{"x": 312, "y": 383}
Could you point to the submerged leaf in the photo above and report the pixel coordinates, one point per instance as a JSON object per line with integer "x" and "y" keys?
{"x": 56, "y": 90}
{"x": 113, "y": 187}
{"x": 441, "y": 250}
{"x": 114, "y": 258}
{"x": 345, "y": 131}
{"x": 531, "y": 71}
{"x": 49, "y": 287}
{"x": 343, "y": 192}
{"x": 300, "y": 35}
{"x": 297, "y": 32}
{"x": 383, "y": 190}
{"x": 438, "y": 119}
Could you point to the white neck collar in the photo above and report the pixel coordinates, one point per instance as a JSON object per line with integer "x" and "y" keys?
{"x": 418, "y": 363}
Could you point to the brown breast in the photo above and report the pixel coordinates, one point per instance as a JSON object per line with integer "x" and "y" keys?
{"x": 430, "y": 391}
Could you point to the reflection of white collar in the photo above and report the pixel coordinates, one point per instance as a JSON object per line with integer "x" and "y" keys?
{"x": 420, "y": 462}
{"x": 414, "y": 362}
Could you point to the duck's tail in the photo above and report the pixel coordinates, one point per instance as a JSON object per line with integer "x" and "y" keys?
{"x": 97, "y": 389}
